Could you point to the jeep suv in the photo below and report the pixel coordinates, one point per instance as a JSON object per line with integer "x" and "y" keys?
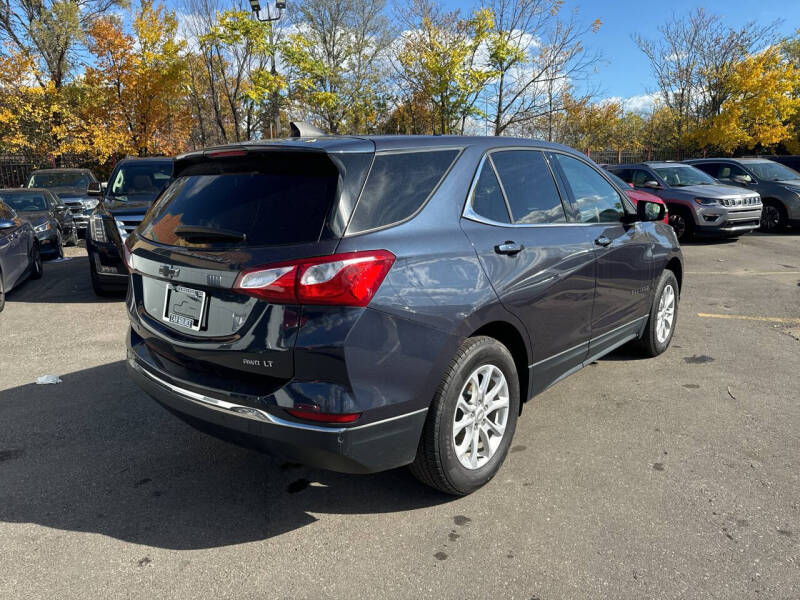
{"x": 778, "y": 185}
{"x": 697, "y": 203}
{"x": 363, "y": 303}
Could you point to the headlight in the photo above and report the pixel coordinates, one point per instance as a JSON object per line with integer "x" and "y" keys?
{"x": 98, "y": 228}
{"x": 90, "y": 203}
{"x": 706, "y": 201}
{"x": 43, "y": 227}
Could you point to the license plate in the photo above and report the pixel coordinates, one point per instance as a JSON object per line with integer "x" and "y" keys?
{"x": 184, "y": 306}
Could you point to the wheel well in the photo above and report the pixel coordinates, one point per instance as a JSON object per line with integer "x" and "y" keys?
{"x": 510, "y": 337}
{"x": 674, "y": 265}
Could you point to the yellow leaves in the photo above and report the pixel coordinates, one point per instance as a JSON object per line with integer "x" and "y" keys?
{"x": 133, "y": 103}
{"x": 596, "y": 25}
{"x": 762, "y": 99}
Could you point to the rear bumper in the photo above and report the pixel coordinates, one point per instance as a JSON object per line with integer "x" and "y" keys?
{"x": 369, "y": 448}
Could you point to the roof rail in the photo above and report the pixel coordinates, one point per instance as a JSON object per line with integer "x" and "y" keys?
{"x": 302, "y": 129}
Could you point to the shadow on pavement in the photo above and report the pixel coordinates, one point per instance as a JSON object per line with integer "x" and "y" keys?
{"x": 63, "y": 280}
{"x": 95, "y": 454}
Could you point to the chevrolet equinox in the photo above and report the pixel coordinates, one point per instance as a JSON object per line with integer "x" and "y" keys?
{"x": 363, "y": 303}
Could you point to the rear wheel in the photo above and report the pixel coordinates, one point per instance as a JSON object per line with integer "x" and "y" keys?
{"x": 663, "y": 316}
{"x": 682, "y": 222}
{"x": 471, "y": 420}
{"x": 773, "y": 217}
{"x": 2, "y": 293}
{"x": 36, "y": 262}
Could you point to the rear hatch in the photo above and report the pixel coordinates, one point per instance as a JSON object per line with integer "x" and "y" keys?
{"x": 229, "y": 212}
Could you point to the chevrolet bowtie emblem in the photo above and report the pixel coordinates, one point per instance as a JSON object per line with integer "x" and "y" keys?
{"x": 170, "y": 272}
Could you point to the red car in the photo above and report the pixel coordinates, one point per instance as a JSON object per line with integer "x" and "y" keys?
{"x": 637, "y": 195}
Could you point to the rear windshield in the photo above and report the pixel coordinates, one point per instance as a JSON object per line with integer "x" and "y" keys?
{"x": 267, "y": 200}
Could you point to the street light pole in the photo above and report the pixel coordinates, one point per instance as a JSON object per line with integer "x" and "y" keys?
{"x": 280, "y": 6}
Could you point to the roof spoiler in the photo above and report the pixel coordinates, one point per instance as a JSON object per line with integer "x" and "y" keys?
{"x": 302, "y": 129}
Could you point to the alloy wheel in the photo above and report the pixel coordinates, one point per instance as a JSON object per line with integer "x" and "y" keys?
{"x": 666, "y": 314}
{"x": 480, "y": 418}
{"x": 678, "y": 223}
{"x": 770, "y": 217}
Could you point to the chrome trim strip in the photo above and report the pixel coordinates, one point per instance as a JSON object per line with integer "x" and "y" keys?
{"x": 248, "y": 412}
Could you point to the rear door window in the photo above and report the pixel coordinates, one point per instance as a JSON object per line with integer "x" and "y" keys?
{"x": 529, "y": 186}
{"x": 487, "y": 198}
{"x": 398, "y": 186}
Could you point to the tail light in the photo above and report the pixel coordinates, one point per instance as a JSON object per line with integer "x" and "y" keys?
{"x": 312, "y": 415}
{"x": 349, "y": 279}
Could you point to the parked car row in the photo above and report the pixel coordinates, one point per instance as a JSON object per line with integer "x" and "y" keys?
{"x": 720, "y": 196}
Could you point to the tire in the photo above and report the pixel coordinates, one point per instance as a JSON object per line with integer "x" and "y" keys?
{"x": 59, "y": 245}
{"x": 682, "y": 222}
{"x": 2, "y": 293}
{"x": 72, "y": 240}
{"x": 36, "y": 262}
{"x": 437, "y": 463}
{"x": 773, "y": 217}
{"x": 653, "y": 342}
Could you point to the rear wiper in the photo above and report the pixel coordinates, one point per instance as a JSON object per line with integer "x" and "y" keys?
{"x": 197, "y": 233}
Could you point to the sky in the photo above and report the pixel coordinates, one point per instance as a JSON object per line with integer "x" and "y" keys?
{"x": 625, "y": 72}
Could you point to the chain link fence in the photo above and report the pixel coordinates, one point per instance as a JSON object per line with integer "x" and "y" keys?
{"x": 619, "y": 157}
{"x": 16, "y": 169}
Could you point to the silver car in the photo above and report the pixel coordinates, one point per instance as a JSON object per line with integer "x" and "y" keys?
{"x": 778, "y": 185}
{"x": 697, "y": 203}
{"x": 19, "y": 251}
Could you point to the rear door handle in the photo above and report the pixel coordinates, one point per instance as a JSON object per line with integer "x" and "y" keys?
{"x": 602, "y": 241}
{"x": 508, "y": 247}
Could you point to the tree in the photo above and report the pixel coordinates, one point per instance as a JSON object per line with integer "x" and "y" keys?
{"x": 136, "y": 87}
{"x": 693, "y": 62}
{"x": 761, "y": 97}
{"x": 535, "y": 56}
{"x": 437, "y": 62}
{"x": 337, "y": 63}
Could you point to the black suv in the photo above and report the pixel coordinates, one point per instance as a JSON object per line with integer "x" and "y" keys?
{"x": 362, "y": 303}
{"x": 134, "y": 184}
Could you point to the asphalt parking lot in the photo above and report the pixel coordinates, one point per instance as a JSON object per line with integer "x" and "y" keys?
{"x": 674, "y": 477}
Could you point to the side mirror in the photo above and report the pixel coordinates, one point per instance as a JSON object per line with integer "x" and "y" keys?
{"x": 651, "y": 183}
{"x": 94, "y": 189}
{"x": 650, "y": 211}
{"x": 742, "y": 179}
{"x": 7, "y": 224}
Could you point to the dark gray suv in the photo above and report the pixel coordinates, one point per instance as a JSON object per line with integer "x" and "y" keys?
{"x": 363, "y": 303}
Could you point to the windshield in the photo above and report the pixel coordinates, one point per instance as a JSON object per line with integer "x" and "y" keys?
{"x": 683, "y": 175}
{"x": 772, "y": 171}
{"x": 25, "y": 202}
{"x": 72, "y": 179}
{"x": 140, "y": 179}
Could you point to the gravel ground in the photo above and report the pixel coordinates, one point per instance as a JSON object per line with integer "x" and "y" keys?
{"x": 675, "y": 477}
